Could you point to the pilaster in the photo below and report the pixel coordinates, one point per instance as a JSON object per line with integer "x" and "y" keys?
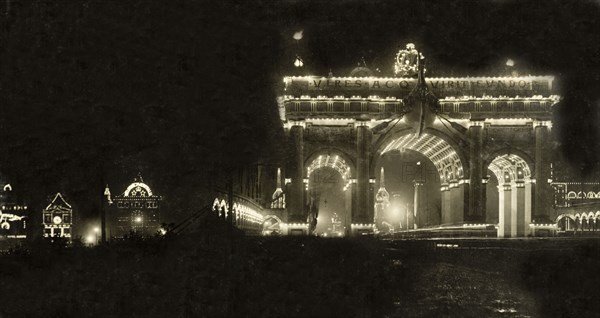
{"x": 296, "y": 205}
{"x": 476, "y": 208}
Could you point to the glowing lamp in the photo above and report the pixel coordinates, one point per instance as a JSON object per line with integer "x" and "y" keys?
{"x": 298, "y": 62}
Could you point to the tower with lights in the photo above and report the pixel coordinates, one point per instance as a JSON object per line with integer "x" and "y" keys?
{"x": 58, "y": 218}
{"x": 137, "y": 211}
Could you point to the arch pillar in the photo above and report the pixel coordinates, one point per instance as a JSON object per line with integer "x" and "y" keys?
{"x": 296, "y": 205}
{"x": 417, "y": 202}
{"x": 517, "y": 219}
{"x": 543, "y": 191}
{"x": 476, "y": 210}
{"x": 457, "y": 199}
{"x": 453, "y": 196}
{"x": 528, "y": 188}
{"x": 504, "y": 210}
{"x": 514, "y": 209}
{"x": 445, "y": 198}
{"x": 363, "y": 213}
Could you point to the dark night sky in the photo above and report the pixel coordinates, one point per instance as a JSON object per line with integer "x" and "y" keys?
{"x": 174, "y": 89}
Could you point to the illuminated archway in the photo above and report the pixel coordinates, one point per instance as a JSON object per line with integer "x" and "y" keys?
{"x": 514, "y": 194}
{"x": 336, "y": 162}
{"x": 272, "y": 226}
{"x": 332, "y": 166}
{"x": 440, "y": 150}
{"x": 565, "y": 223}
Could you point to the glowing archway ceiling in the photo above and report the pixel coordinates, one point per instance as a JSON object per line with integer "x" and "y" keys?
{"x": 334, "y": 162}
{"x": 509, "y": 167}
{"x": 439, "y": 151}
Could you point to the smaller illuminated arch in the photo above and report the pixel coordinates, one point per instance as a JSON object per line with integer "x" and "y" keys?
{"x": 590, "y": 215}
{"x": 562, "y": 216}
{"x": 571, "y": 195}
{"x": 216, "y": 204}
{"x": 272, "y": 224}
{"x": 510, "y": 168}
{"x": 332, "y": 161}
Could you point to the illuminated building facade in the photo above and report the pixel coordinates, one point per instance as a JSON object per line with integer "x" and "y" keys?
{"x": 136, "y": 210}
{"x": 58, "y": 218}
{"x": 13, "y": 214}
{"x": 577, "y": 205}
{"x": 487, "y": 138}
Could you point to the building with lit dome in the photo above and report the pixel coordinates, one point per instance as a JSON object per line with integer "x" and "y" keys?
{"x": 136, "y": 210}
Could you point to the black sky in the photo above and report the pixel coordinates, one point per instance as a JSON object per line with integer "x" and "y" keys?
{"x": 94, "y": 90}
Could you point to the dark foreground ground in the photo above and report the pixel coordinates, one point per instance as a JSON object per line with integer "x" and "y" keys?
{"x": 212, "y": 275}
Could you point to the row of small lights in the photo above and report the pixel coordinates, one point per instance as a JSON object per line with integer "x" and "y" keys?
{"x": 344, "y": 170}
{"x": 588, "y": 215}
{"x": 465, "y": 122}
{"x": 450, "y": 99}
{"x": 362, "y": 225}
{"x": 295, "y": 225}
{"x": 246, "y": 212}
{"x": 531, "y": 225}
{"x": 17, "y": 207}
{"x": 578, "y": 195}
{"x": 307, "y": 77}
{"x": 349, "y": 183}
{"x": 578, "y": 183}
{"x": 453, "y": 184}
{"x": 542, "y": 225}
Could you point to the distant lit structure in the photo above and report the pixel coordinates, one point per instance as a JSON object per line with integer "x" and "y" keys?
{"x": 136, "y": 210}
{"x": 382, "y": 203}
{"x": 58, "y": 218}
{"x": 337, "y": 228}
{"x": 13, "y": 214}
{"x": 577, "y": 205}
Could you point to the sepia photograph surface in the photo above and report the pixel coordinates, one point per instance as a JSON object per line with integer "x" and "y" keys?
{"x": 295, "y": 158}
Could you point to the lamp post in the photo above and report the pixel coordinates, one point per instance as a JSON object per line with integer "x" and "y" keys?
{"x": 417, "y": 193}
{"x": 407, "y": 209}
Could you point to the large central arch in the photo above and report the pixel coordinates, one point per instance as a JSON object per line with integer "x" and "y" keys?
{"x": 438, "y": 150}
{"x": 448, "y": 162}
